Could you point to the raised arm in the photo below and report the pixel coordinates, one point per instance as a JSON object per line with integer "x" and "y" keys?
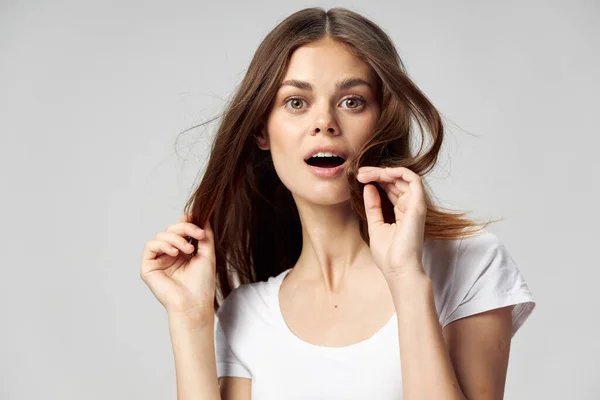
{"x": 195, "y": 364}
{"x": 185, "y": 285}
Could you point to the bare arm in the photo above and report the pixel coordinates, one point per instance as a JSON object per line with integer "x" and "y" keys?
{"x": 479, "y": 347}
{"x": 235, "y": 388}
{"x": 195, "y": 364}
{"x": 185, "y": 284}
{"x": 427, "y": 371}
{"x": 467, "y": 360}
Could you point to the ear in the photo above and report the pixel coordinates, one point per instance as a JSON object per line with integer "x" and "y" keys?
{"x": 262, "y": 139}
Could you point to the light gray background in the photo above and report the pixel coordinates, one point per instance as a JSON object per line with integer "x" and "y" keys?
{"x": 93, "y": 97}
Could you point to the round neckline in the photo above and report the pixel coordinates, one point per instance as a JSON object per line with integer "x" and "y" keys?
{"x": 299, "y": 341}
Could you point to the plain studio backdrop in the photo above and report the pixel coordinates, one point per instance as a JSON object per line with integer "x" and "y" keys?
{"x": 94, "y": 97}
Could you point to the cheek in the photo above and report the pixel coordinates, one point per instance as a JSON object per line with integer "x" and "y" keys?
{"x": 285, "y": 137}
{"x": 358, "y": 131}
{"x": 284, "y": 126}
{"x": 285, "y": 161}
{"x": 285, "y": 153}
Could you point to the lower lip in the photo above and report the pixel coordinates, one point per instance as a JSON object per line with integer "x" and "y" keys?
{"x": 327, "y": 172}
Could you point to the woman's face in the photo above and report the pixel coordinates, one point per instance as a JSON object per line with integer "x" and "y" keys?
{"x": 327, "y": 103}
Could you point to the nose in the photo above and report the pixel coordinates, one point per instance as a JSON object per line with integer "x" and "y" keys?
{"x": 325, "y": 122}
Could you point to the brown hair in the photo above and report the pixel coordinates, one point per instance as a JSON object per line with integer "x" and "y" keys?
{"x": 253, "y": 215}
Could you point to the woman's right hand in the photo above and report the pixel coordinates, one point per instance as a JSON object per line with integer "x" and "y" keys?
{"x": 183, "y": 284}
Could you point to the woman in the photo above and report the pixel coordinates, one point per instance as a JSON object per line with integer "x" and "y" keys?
{"x": 352, "y": 283}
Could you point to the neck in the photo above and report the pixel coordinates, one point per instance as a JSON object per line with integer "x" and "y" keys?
{"x": 332, "y": 249}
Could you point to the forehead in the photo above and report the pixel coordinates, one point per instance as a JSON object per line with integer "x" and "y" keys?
{"x": 327, "y": 61}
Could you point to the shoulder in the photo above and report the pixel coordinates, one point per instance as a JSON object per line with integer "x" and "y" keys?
{"x": 483, "y": 256}
{"x": 476, "y": 274}
{"x": 242, "y": 297}
{"x": 247, "y": 301}
{"x": 244, "y": 319}
{"x": 482, "y": 244}
{"x": 441, "y": 258}
{"x": 455, "y": 265}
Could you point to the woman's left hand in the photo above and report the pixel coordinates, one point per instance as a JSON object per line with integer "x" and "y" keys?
{"x": 397, "y": 248}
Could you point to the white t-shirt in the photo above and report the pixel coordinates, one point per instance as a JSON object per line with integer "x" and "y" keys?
{"x": 252, "y": 340}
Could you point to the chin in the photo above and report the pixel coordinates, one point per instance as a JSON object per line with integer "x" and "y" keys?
{"x": 326, "y": 196}
{"x": 315, "y": 190}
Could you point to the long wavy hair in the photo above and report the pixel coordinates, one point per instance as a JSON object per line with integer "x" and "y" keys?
{"x": 253, "y": 215}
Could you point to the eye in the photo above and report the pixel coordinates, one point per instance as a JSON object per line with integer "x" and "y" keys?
{"x": 354, "y": 102}
{"x": 295, "y": 103}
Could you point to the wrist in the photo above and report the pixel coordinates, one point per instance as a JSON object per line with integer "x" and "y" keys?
{"x": 409, "y": 285}
{"x": 186, "y": 321}
{"x": 407, "y": 275}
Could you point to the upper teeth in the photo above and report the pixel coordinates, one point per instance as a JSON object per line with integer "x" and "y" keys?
{"x": 324, "y": 154}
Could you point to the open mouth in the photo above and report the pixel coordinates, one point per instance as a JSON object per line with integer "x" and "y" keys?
{"x": 325, "y": 162}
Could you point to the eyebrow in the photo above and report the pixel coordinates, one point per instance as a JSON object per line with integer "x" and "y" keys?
{"x": 344, "y": 84}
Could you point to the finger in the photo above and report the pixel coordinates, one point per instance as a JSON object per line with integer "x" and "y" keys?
{"x": 208, "y": 230}
{"x": 206, "y": 247}
{"x": 405, "y": 180}
{"x": 397, "y": 187}
{"x": 185, "y": 217}
{"x": 186, "y": 229}
{"x": 387, "y": 174}
{"x": 393, "y": 186}
{"x": 367, "y": 169}
{"x": 372, "y": 207}
{"x": 369, "y": 174}
{"x": 415, "y": 181}
{"x": 210, "y": 236}
{"x": 176, "y": 241}
{"x": 156, "y": 248}
{"x": 392, "y": 191}
{"x": 398, "y": 212}
{"x": 404, "y": 173}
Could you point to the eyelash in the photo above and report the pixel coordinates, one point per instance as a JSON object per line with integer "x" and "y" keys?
{"x": 353, "y": 97}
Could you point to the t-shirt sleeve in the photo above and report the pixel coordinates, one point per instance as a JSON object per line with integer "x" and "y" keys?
{"x": 485, "y": 277}
{"x": 227, "y": 362}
